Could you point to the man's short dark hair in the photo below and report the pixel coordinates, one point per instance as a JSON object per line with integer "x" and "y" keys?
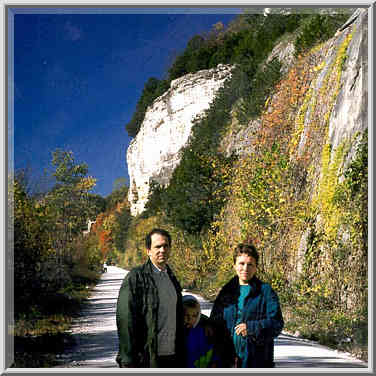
{"x": 248, "y": 249}
{"x": 157, "y": 231}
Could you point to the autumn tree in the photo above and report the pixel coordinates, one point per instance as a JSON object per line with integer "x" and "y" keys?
{"x": 68, "y": 203}
{"x": 30, "y": 248}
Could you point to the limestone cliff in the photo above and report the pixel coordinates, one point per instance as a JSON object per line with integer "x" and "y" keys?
{"x": 154, "y": 153}
{"x": 350, "y": 112}
{"x": 333, "y": 116}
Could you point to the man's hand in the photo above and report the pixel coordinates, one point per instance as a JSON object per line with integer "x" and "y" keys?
{"x": 241, "y": 329}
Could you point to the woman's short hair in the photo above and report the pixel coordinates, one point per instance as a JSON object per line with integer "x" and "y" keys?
{"x": 248, "y": 249}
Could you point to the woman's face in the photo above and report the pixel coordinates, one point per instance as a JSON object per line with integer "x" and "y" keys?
{"x": 245, "y": 267}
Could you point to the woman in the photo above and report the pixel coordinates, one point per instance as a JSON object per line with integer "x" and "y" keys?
{"x": 249, "y": 313}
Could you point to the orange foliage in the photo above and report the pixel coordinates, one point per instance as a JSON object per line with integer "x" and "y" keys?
{"x": 278, "y": 119}
{"x": 105, "y": 241}
{"x": 98, "y": 223}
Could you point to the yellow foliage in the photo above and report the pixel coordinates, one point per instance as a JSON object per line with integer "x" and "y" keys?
{"x": 319, "y": 67}
{"x": 85, "y": 184}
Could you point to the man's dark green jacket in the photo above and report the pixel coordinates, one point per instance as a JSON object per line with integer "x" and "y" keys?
{"x": 137, "y": 318}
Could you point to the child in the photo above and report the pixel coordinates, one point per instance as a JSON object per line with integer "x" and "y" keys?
{"x": 200, "y": 352}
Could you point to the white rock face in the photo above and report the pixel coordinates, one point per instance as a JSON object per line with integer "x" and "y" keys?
{"x": 154, "y": 153}
{"x": 350, "y": 114}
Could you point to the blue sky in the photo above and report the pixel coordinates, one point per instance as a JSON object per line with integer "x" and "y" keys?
{"x": 79, "y": 74}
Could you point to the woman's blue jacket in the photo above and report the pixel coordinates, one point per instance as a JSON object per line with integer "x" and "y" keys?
{"x": 261, "y": 313}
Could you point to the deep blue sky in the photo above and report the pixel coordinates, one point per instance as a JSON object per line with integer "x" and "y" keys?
{"x": 78, "y": 77}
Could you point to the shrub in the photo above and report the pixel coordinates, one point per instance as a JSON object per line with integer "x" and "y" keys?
{"x": 317, "y": 28}
{"x": 153, "y": 89}
{"x": 195, "y": 193}
{"x": 261, "y": 87}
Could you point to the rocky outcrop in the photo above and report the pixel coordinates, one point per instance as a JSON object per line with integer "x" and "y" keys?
{"x": 350, "y": 113}
{"x": 154, "y": 153}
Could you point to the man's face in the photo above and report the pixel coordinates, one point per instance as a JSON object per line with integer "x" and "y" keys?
{"x": 159, "y": 251}
{"x": 245, "y": 268}
{"x": 190, "y": 316}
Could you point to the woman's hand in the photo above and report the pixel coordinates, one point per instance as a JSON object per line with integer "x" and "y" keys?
{"x": 241, "y": 329}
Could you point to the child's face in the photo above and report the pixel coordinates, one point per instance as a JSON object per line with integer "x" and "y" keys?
{"x": 190, "y": 316}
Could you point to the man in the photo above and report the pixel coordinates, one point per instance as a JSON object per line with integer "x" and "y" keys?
{"x": 149, "y": 314}
{"x": 248, "y": 312}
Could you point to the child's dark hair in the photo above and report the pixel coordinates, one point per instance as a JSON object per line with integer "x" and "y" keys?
{"x": 157, "y": 231}
{"x": 248, "y": 249}
{"x": 190, "y": 303}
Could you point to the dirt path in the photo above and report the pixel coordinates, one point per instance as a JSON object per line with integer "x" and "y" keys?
{"x": 95, "y": 330}
{"x": 96, "y": 336}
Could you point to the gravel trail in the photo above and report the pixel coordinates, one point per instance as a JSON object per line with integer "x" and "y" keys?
{"x": 96, "y": 338}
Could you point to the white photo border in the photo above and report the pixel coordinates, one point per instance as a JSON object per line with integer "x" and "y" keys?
{"x": 8, "y": 10}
